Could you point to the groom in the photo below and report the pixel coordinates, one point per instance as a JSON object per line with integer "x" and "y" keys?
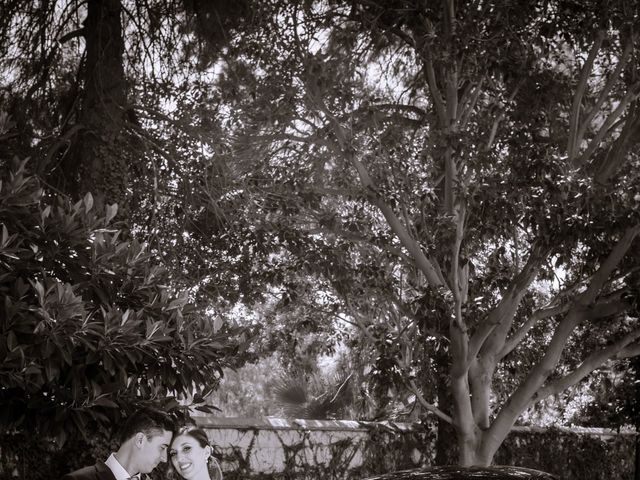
{"x": 144, "y": 440}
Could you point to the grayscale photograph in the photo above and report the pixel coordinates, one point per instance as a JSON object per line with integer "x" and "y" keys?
{"x": 319, "y": 239}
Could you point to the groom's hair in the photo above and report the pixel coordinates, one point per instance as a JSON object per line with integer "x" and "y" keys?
{"x": 146, "y": 420}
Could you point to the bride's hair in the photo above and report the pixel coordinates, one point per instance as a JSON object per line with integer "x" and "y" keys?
{"x": 200, "y": 436}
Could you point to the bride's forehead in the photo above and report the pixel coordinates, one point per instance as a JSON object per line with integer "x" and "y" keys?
{"x": 184, "y": 439}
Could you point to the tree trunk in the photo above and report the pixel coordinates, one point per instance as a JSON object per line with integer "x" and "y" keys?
{"x": 104, "y": 167}
{"x": 100, "y": 157}
{"x": 446, "y": 444}
{"x": 467, "y": 432}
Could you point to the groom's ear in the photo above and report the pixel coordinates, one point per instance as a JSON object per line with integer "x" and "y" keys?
{"x": 139, "y": 438}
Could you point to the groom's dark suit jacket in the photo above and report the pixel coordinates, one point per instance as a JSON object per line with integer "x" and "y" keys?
{"x": 99, "y": 471}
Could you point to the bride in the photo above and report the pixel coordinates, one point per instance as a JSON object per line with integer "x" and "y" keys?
{"x": 191, "y": 455}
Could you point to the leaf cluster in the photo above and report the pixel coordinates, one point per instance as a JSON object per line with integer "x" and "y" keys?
{"x": 89, "y": 322}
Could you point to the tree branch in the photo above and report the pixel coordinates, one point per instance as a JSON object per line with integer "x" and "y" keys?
{"x": 574, "y": 119}
{"x": 605, "y": 309}
{"x": 629, "y": 136}
{"x": 521, "y": 333}
{"x": 459, "y": 332}
{"x": 366, "y": 181}
{"x": 397, "y": 227}
{"x": 356, "y": 238}
{"x": 469, "y": 102}
{"x": 628, "y": 352}
{"x": 605, "y": 91}
{"x": 503, "y": 314}
{"x": 598, "y": 311}
{"x": 425, "y": 53}
{"x": 358, "y": 317}
{"x": 428, "y": 406}
{"x": 74, "y": 34}
{"x": 501, "y": 115}
{"x": 590, "y": 364}
{"x": 525, "y": 393}
{"x": 608, "y": 266}
{"x": 604, "y": 130}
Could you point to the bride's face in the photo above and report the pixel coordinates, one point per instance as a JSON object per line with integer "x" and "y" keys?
{"x": 189, "y": 458}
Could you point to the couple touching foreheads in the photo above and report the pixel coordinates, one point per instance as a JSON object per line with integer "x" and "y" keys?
{"x": 147, "y": 438}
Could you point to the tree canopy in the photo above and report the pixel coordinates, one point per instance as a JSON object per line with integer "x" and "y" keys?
{"x": 453, "y": 184}
{"x": 466, "y": 176}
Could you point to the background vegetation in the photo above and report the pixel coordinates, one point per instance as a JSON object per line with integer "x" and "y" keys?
{"x": 442, "y": 197}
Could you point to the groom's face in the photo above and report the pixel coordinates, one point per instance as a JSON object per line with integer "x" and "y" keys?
{"x": 154, "y": 450}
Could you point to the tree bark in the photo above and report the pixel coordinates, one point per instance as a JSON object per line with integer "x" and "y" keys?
{"x": 104, "y": 168}
{"x": 446, "y": 445}
{"x": 99, "y": 158}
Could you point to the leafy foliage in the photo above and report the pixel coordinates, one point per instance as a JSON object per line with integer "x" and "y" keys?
{"x": 449, "y": 189}
{"x": 457, "y": 193}
{"x": 314, "y": 397}
{"x": 570, "y": 455}
{"x": 90, "y": 322}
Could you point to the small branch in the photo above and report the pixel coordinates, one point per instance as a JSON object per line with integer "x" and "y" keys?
{"x": 356, "y": 238}
{"x": 438, "y": 270}
{"x": 605, "y": 309}
{"x": 435, "y": 91}
{"x": 574, "y": 119}
{"x": 396, "y": 120}
{"x": 629, "y": 136}
{"x": 396, "y": 225}
{"x": 146, "y": 138}
{"x": 64, "y": 141}
{"x": 399, "y": 106}
{"x": 74, "y": 34}
{"x": 428, "y": 406}
{"x": 605, "y": 92}
{"x": 604, "y": 130}
{"x": 310, "y": 139}
{"x": 598, "y": 311}
{"x": 348, "y": 322}
{"x": 502, "y": 315}
{"x": 183, "y": 125}
{"x": 521, "y": 333}
{"x": 359, "y": 320}
{"x": 590, "y": 364}
{"x": 425, "y": 53}
{"x": 469, "y": 104}
{"x": 501, "y": 115}
{"x": 608, "y": 266}
{"x": 564, "y": 296}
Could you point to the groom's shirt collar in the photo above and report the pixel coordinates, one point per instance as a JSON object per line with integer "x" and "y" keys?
{"x": 118, "y": 470}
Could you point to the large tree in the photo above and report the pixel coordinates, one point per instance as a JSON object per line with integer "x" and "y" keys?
{"x": 466, "y": 176}
{"x": 91, "y": 319}
{"x": 450, "y": 178}
{"x": 85, "y": 85}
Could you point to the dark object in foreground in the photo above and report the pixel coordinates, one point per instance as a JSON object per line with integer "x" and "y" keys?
{"x": 451, "y": 472}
